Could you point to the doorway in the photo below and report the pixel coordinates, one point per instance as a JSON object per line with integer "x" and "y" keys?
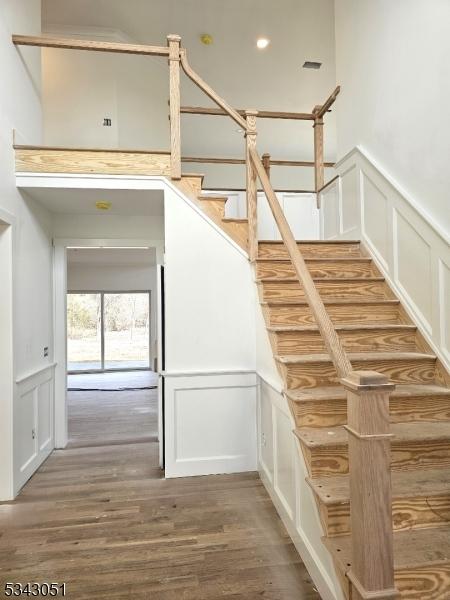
{"x": 108, "y": 331}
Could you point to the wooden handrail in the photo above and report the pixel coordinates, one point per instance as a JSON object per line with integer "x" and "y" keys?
{"x": 262, "y": 114}
{"x": 326, "y": 327}
{"x": 328, "y": 183}
{"x": 319, "y": 111}
{"x": 93, "y": 46}
{"x": 193, "y": 76}
{"x": 241, "y": 161}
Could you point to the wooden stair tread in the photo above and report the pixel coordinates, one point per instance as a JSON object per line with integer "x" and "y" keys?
{"x": 233, "y": 220}
{"x": 314, "y": 358}
{"x": 422, "y": 431}
{"x": 325, "y": 242}
{"x": 412, "y": 548}
{"x": 429, "y": 482}
{"x": 319, "y": 279}
{"x": 338, "y": 259}
{"x": 331, "y": 302}
{"x": 328, "y": 393}
{"x": 338, "y": 327}
{"x": 223, "y": 199}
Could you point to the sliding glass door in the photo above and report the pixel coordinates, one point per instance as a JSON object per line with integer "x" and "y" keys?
{"x": 108, "y": 331}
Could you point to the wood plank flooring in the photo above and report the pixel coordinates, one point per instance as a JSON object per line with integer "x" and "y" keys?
{"x": 100, "y": 517}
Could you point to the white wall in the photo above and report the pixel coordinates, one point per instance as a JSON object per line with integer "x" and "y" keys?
{"x": 392, "y": 63}
{"x": 210, "y": 379}
{"x": 20, "y": 109}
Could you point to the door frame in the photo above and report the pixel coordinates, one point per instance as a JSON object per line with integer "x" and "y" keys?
{"x": 7, "y": 386}
{"x": 102, "y": 294}
{"x": 60, "y": 247}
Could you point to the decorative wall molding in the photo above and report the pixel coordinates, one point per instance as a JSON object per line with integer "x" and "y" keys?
{"x": 411, "y": 250}
{"x": 283, "y": 472}
{"x": 33, "y": 422}
{"x": 210, "y": 423}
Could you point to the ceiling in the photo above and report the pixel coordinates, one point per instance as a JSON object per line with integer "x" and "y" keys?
{"x": 111, "y": 256}
{"x": 272, "y": 79}
{"x": 82, "y": 201}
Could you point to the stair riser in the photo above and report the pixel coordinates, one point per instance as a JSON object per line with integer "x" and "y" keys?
{"x": 407, "y": 513}
{"x": 214, "y": 208}
{"x": 328, "y": 269}
{"x": 333, "y": 460}
{"x": 291, "y": 342}
{"x": 323, "y": 373}
{"x": 349, "y": 314}
{"x": 237, "y": 232}
{"x": 402, "y": 410}
{"x": 294, "y": 292}
{"x": 310, "y": 250}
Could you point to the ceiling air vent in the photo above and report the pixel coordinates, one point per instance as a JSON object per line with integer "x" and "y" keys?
{"x": 310, "y": 64}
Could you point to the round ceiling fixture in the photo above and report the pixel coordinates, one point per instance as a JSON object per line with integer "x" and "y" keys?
{"x": 102, "y": 205}
{"x": 206, "y": 39}
{"x": 262, "y": 43}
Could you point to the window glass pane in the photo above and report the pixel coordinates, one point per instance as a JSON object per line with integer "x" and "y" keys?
{"x": 127, "y": 332}
{"x": 83, "y": 332}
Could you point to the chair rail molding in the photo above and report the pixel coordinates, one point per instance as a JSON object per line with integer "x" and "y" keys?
{"x": 409, "y": 247}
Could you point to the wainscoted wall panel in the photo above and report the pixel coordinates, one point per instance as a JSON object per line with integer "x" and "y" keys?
{"x": 444, "y": 294}
{"x": 330, "y": 221}
{"x": 288, "y": 489}
{"x": 375, "y": 218}
{"x": 412, "y": 258}
{"x": 210, "y": 423}
{"x": 300, "y": 210}
{"x": 411, "y": 250}
{"x": 33, "y": 423}
{"x": 349, "y": 200}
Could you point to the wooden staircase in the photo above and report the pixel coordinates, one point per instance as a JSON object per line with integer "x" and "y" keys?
{"x": 377, "y": 335}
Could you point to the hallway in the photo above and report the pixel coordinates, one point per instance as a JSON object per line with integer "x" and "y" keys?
{"x": 99, "y": 517}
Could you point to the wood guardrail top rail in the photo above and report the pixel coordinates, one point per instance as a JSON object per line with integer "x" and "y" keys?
{"x": 210, "y": 92}
{"x": 241, "y": 161}
{"x": 319, "y": 111}
{"x": 262, "y": 114}
{"x": 93, "y": 46}
{"x": 324, "y": 323}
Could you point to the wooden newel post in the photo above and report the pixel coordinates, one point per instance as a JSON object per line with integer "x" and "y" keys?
{"x": 173, "y": 42}
{"x": 252, "y": 214}
{"x": 266, "y": 163}
{"x": 369, "y": 448}
{"x": 319, "y": 174}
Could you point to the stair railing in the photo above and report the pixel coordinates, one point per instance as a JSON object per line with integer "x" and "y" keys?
{"x": 372, "y": 572}
{"x": 372, "y": 568}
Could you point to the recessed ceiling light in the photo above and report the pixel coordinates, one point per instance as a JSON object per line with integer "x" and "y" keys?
{"x": 102, "y": 205}
{"x": 311, "y": 64}
{"x": 262, "y": 43}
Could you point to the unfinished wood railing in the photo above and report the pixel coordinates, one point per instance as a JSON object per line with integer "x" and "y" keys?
{"x": 372, "y": 573}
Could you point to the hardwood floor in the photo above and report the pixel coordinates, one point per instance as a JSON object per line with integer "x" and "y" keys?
{"x": 99, "y": 517}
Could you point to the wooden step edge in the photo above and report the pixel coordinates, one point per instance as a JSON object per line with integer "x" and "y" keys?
{"x": 322, "y": 279}
{"x": 421, "y": 548}
{"x": 223, "y": 199}
{"x": 332, "y": 393}
{"x": 427, "y": 483}
{"x": 336, "y": 242}
{"x": 340, "y": 259}
{"x": 356, "y": 356}
{"x": 342, "y": 327}
{"x": 422, "y": 432}
{"x": 198, "y": 175}
{"x": 231, "y": 220}
{"x": 333, "y": 302}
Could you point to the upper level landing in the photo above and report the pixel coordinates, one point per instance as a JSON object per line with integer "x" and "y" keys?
{"x": 41, "y": 159}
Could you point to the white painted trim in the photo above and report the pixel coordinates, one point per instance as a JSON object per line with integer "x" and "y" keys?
{"x": 206, "y": 373}
{"x": 430, "y": 317}
{"x": 397, "y": 186}
{"x": 35, "y": 372}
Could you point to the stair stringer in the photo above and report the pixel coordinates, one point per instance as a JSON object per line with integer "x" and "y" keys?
{"x": 282, "y": 467}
